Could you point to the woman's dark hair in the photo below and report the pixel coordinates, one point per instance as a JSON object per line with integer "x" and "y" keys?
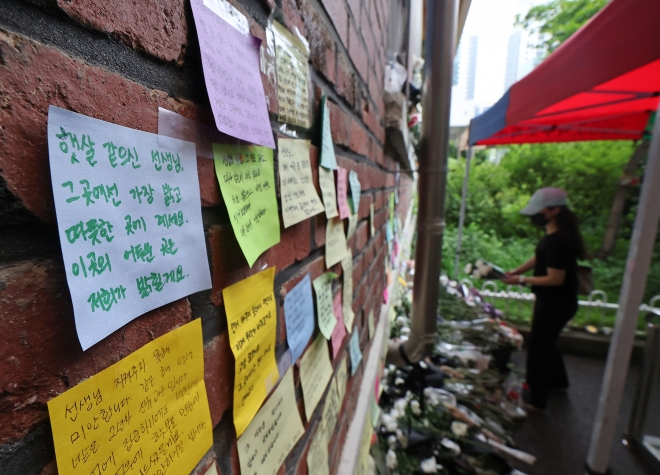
{"x": 569, "y": 226}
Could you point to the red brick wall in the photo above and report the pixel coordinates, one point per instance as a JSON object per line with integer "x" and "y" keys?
{"x": 119, "y": 60}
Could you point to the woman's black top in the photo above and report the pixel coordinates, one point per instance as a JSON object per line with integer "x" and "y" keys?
{"x": 557, "y": 252}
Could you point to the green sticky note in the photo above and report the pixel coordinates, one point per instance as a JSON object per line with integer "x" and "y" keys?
{"x": 328, "y": 158}
{"x": 326, "y": 317}
{"x": 247, "y": 183}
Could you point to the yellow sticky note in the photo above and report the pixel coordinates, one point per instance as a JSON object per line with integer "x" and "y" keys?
{"x": 370, "y": 324}
{"x": 342, "y": 380}
{"x": 335, "y": 242}
{"x": 327, "y": 183}
{"x": 317, "y": 455}
{"x": 330, "y": 410}
{"x": 252, "y": 322}
{"x": 292, "y": 90}
{"x": 299, "y": 198}
{"x": 272, "y": 434}
{"x": 347, "y": 291}
{"x": 315, "y": 373}
{"x": 148, "y": 413}
{"x": 247, "y": 182}
{"x": 323, "y": 290}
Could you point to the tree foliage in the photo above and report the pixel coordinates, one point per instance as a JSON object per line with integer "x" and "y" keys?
{"x": 557, "y": 20}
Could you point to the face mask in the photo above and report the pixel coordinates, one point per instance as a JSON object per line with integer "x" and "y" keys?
{"x": 539, "y": 219}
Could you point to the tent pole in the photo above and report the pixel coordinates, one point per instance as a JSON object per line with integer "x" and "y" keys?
{"x": 632, "y": 292}
{"x": 461, "y": 217}
{"x": 441, "y": 19}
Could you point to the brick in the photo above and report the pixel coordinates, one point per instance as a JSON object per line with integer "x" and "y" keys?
{"x": 355, "y": 9}
{"x": 346, "y": 82}
{"x": 219, "y": 376}
{"x": 157, "y": 27}
{"x": 339, "y": 16}
{"x": 319, "y": 223}
{"x": 321, "y": 45}
{"x": 40, "y": 356}
{"x": 292, "y": 18}
{"x": 362, "y": 235}
{"x": 340, "y": 125}
{"x": 229, "y": 265}
{"x": 35, "y": 76}
{"x": 365, "y": 206}
{"x": 359, "y": 139}
{"x": 358, "y": 52}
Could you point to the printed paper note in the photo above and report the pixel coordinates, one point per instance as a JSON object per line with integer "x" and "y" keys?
{"x": 335, "y": 242}
{"x": 352, "y": 225}
{"x": 339, "y": 332}
{"x": 356, "y": 190}
{"x": 328, "y": 158}
{"x": 252, "y": 321}
{"x": 331, "y": 410}
{"x": 299, "y": 198}
{"x": 354, "y": 350}
{"x": 323, "y": 291}
{"x": 327, "y": 182}
{"x": 148, "y": 410}
{"x": 129, "y": 220}
{"x": 347, "y": 290}
{"x": 230, "y": 60}
{"x": 273, "y": 432}
{"x": 292, "y": 90}
{"x": 342, "y": 189}
{"x": 317, "y": 455}
{"x": 247, "y": 183}
{"x": 372, "y": 225}
{"x": 315, "y": 374}
{"x": 299, "y": 316}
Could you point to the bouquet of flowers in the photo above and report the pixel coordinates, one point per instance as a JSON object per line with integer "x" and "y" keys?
{"x": 484, "y": 270}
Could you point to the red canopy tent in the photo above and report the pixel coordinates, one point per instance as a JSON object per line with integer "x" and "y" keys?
{"x": 603, "y": 83}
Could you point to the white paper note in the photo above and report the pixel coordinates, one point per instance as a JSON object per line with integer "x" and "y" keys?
{"x": 129, "y": 218}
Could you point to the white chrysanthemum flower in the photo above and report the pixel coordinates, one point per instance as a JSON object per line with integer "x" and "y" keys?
{"x": 451, "y": 445}
{"x": 401, "y": 320}
{"x": 468, "y": 268}
{"x": 405, "y": 331}
{"x": 399, "y": 381}
{"x": 399, "y": 409}
{"x": 390, "y": 459}
{"x": 459, "y": 428}
{"x": 389, "y": 422}
{"x": 423, "y": 364}
{"x": 409, "y": 395}
{"x": 391, "y": 441}
{"x": 416, "y": 409}
{"x": 429, "y": 465}
{"x": 431, "y": 397}
{"x": 425, "y": 422}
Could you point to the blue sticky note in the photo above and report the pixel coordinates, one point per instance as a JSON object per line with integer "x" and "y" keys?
{"x": 299, "y": 317}
{"x": 354, "y": 350}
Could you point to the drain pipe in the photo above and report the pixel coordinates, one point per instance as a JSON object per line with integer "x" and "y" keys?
{"x": 441, "y": 20}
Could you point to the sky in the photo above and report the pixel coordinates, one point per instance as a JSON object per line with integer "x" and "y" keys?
{"x": 492, "y": 22}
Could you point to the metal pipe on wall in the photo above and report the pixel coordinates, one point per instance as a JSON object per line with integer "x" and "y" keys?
{"x": 440, "y": 45}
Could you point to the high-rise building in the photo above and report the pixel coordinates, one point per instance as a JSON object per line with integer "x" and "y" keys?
{"x": 472, "y": 67}
{"x": 512, "y": 60}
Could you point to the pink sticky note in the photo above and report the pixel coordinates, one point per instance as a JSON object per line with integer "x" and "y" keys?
{"x": 342, "y": 188}
{"x": 339, "y": 332}
{"x": 386, "y": 296}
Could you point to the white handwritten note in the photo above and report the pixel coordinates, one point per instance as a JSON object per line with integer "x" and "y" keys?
{"x": 327, "y": 183}
{"x": 328, "y": 158}
{"x": 323, "y": 290}
{"x": 317, "y": 455}
{"x": 356, "y": 190}
{"x": 233, "y": 80}
{"x": 147, "y": 413}
{"x": 331, "y": 410}
{"x": 129, "y": 219}
{"x": 272, "y": 433}
{"x": 299, "y": 198}
{"x": 292, "y": 89}
{"x": 315, "y": 373}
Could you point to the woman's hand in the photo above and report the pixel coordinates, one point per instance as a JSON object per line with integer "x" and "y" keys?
{"x": 511, "y": 279}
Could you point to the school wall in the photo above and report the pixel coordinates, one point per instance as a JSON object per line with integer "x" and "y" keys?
{"x": 119, "y": 60}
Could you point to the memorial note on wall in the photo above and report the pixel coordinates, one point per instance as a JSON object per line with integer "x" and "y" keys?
{"x": 129, "y": 219}
{"x": 328, "y": 158}
{"x": 148, "y": 413}
{"x": 315, "y": 373}
{"x": 252, "y": 322}
{"x": 327, "y": 183}
{"x": 342, "y": 379}
{"x": 347, "y": 290}
{"x": 335, "y": 242}
{"x": 247, "y": 183}
{"x": 339, "y": 332}
{"x": 331, "y": 410}
{"x": 342, "y": 189}
{"x": 317, "y": 455}
{"x": 292, "y": 90}
{"x": 352, "y": 225}
{"x": 354, "y": 350}
{"x": 356, "y": 190}
{"x": 299, "y": 316}
{"x": 323, "y": 291}
{"x": 272, "y": 434}
{"x": 299, "y": 198}
{"x": 230, "y": 60}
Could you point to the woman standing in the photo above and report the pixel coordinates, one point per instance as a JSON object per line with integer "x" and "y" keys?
{"x": 555, "y": 284}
